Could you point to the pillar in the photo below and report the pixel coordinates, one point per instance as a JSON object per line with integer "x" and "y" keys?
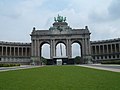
{"x": 83, "y": 47}
{"x": 103, "y": 49}
{"x": 89, "y": 45}
{"x": 69, "y": 49}
{"x": 22, "y": 51}
{"x": 38, "y": 47}
{"x": 35, "y": 47}
{"x": 115, "y": 47}
{"x": 18, "y": 51}
{"x": 111, "y": 48}
{"x": 51, "y": 50}
{"x": 26, "y": 51}
{"x": 32, "y": 48}
{"x": 86, "y": 46}
{"x": 10, "y": 51}
{"x": 6, "y": 51}
{"x": 14, "y": 51}
{"x": 95, "y": 49}
{"x": 2, "y": 50}
{"x": 119, "y": 47}
{"x": 107, "y": 49}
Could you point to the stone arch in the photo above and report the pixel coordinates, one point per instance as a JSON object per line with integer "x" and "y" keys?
{"x": 60, "y": 41}
{"x": 60, "y": 32}
{"x": 80, "y": 47}
{"x": 60, "y": 45}
{"x": 45, "y": 46}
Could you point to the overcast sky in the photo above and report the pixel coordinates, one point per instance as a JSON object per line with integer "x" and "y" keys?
{"x": 18, "y": 17}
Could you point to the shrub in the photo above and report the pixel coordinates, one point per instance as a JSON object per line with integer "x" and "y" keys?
{"x": 111, "y": 62}
{"x": 9, "y": 65}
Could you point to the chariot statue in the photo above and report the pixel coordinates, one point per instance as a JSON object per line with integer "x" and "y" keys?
{"x": 59, "y": 18}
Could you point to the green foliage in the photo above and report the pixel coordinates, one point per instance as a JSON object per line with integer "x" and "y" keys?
{"x": 59, "y": 78}
{"x": 77, "y": 60}
{"x": 44, "y": 60}
{"x": 9, "y": 65}
{"x": 111, "y": 62}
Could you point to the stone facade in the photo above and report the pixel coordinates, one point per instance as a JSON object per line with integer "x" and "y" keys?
{"x": 105, "y": 50}
{"x": 13, "y": 52}
{"x": 60, "y": 32}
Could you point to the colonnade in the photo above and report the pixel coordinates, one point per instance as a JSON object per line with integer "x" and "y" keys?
{"x": 14, "y": 51}
{"x": 105, "y": 51}
{"x": 11, "y": 52}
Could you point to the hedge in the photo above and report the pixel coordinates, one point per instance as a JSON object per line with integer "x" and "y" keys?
{"x": 111, "y": 62}
{"x": 9, "y": 65}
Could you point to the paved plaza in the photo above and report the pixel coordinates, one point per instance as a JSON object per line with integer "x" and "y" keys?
{"x": 17, "y": 67}
{"x": 114, "y": 68}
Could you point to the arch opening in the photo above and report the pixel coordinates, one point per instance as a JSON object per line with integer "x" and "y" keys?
{"x": 76, "y": 50}
{"x": 60, "y": 50}
{"x": 45, "y": 51}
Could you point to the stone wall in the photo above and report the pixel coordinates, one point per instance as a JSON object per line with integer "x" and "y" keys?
{"x": 13, "y": 52}
{"x": 105, "y": 50}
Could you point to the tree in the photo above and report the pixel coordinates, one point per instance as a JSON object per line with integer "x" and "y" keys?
{"x": 77, "y": 60}
{"x": 43, "y": 60}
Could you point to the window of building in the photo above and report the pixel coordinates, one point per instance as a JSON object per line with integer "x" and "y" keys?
{"x": 109, "y": 56}
{"x": 117, "y": 56}
{"x": 113, "y": 56}
{"x": 105, "y": 57}
{"x": 101, "y": 57}
{"x": 97, "y": 57}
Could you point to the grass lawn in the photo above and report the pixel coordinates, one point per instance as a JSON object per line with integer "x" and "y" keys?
{"x": 59, "y": 78}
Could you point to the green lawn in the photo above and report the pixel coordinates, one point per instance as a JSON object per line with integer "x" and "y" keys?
{"x": 59, "y": 78}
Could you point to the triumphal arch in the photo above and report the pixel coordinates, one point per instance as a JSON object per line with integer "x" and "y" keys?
{"x": 60, "y": 32}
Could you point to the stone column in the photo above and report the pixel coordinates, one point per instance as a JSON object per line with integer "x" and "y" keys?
{"x": 10, "y": 51}
{"x": 2, "y": 50}
{"x": 38, "y": 47}
{"x": 119, "y": 47}
{"x": 35, "y": 47}
{"x": 86, "y": 46}
{"x": 6, "y": 51}
{"x": 89, "y": 45}
{"x": 32, "y": 48}
{"x": 54, "y": 49}
{"x": 83, "y": 47}
{"x": 103, "y": 49}
{"x": 18, "y": 51}
{"x": 95, "y": 50}
{"x": 115, "y": 47}
{"x": 67, "y": 47}
{"x": 26, "y": 51}
{"x": 51, "y": 49}
{"x": 111, "y": 48}
{"x": 14, "y": 51}
{"x": 107, "y": 49}
{"x": 22, "y": 51}
{"x": 99, "y": 49}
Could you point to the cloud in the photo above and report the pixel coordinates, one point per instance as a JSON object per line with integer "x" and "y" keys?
{"x": 114, "y": 9}
{"x": 55, "y": 5}
{"x": 21, "y": 15}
